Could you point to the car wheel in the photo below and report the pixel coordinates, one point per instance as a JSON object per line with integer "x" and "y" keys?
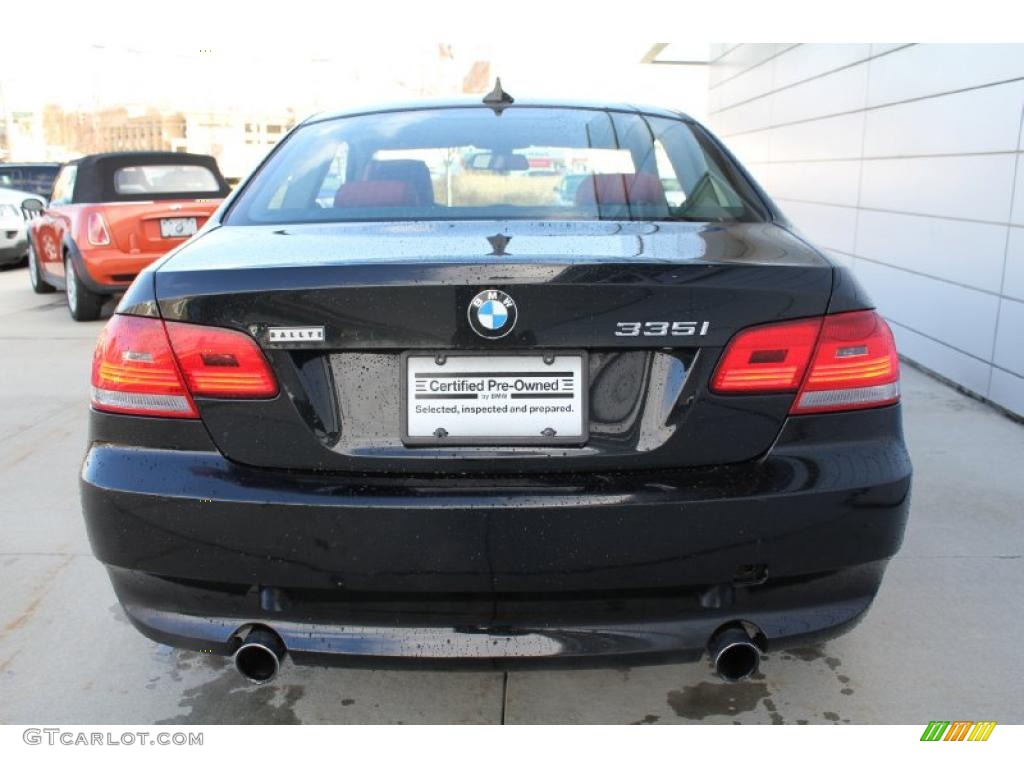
{"x": 35, "y": 277}
{"x": 83, "y": 304}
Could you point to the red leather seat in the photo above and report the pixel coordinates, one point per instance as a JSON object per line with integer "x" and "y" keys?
{"x": 375, "y": 194}
{"x": 413, "y": 172}
{"x": 620, "y": 189}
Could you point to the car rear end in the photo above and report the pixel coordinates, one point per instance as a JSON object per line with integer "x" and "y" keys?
{"x": 403, "y": 430}
{"x": 138, "y": 206}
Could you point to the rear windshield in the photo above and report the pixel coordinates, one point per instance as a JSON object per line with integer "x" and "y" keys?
{"x": 164, "y": 179}
{"x": 475, "y": 163}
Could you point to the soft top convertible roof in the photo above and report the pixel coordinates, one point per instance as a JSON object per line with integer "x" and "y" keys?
{"x": 94, "y": 182}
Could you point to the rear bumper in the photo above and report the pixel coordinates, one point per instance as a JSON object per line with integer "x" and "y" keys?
{"x": 481, "y": 568}
{"x": 110, "y": 270}
{"x": 520, "y": 630}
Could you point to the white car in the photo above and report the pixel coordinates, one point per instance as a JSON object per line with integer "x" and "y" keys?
{"x": 14, "y": 225}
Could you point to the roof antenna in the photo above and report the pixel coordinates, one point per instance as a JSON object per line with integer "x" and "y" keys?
{"x": 498, "y": 99}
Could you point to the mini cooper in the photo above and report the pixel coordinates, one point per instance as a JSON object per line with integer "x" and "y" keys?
{"x": 112, "y": 215}
{"x": 401, "y": 400}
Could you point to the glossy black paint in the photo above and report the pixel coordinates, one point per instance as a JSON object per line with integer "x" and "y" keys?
{"x": 387, "y": 288}
{"x": 683, "y": 511}
{"x": 832, "y": 495}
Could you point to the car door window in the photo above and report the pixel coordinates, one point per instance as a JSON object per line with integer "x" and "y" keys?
{"x": 63, "y": 187}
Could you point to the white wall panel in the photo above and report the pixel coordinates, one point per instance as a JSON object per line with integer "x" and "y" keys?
{"x": 1017, "y": 217}
{"x": 960, "y": 251}
{"x": 1013, "y": 279}
{"x": 741, "y": 58}
{"x": 823, "y": 182}
{"x": 981, "y": 120}
{"x": 745, "y": 86}
{"x": 752, "y": 147}
{"x": 830, "y": 138}
{"x": 749, "y": 116}
{"x": 967, "y": 187}
{"x": 842, "y": 91}
{"x": 827, "y": 226}
{"x": 924, "y": 70}
{"x": 1010, "y": 338}
{"x": 965, "y": 370}
{"x": 903, "y": 162}
{"x": 877, "y": 49}
{"x": 814, "y": 59}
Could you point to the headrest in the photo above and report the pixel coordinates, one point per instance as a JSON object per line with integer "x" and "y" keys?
{"x": 620, "y": 189}
{"x": 413, "y": 172}
{"x": 374, "y": 194}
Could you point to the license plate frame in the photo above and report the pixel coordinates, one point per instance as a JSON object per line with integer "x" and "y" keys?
{"x": 167, "y": 223}
{"x": 498, "y": 440}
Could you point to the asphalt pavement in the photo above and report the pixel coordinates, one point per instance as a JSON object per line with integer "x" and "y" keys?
{"x": 942, "y": 641}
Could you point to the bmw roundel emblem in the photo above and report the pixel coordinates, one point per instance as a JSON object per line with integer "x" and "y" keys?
{"x": 492, "y": 314}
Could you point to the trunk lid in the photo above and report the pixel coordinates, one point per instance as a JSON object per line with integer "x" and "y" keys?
{"x": 135, "y": 226}
{"x": 381, "y": 290}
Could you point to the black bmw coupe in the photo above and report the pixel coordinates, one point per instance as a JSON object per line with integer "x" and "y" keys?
{"x": 404, "y": 399}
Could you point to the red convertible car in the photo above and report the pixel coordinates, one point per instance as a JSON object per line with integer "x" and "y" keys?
{"x": 113, "y": 214}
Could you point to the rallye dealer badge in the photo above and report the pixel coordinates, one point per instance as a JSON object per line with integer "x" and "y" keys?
{"x": 292, "y": 334}
{"x": 502, "y": 399}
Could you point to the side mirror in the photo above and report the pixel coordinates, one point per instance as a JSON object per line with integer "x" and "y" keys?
{"x": 31, "y": 208}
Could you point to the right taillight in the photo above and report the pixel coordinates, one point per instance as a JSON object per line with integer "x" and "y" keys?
{"x": 836, "y": 363}
{"x": 855, "y": 365}
{"x": 145, "y": 367}
{"x": 767, "y": 358}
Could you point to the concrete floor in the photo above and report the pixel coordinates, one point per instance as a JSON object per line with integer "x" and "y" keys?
{"x": 941, "y": 642}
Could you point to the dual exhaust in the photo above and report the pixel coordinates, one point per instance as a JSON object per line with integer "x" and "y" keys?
{"x": 258, "y": 659}
{"x": 733, "y": 651}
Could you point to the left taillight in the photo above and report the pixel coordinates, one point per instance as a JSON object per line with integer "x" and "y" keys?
{"x": 96, "y": 229}
{"x": 134, "y": 371}
{"x": 145, "y": 367}
{"x": 218, "y": 362}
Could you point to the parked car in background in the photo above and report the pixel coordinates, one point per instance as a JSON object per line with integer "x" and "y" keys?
{"x": 111, "y": 215}
{"x": 15, "y": 209}
{"x": 36, "y": 178}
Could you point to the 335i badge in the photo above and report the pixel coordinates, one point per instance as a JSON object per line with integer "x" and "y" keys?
{"x": 383, "y": 408}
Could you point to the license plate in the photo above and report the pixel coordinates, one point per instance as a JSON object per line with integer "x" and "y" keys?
{"x": 515, "y": 399}
{"x": 178, "y": 227}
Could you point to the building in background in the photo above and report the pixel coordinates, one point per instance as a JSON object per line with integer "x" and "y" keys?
{"x": 903, "y": 162}
{"x": 119, "y": 129}
{"x": 239, "y": 140}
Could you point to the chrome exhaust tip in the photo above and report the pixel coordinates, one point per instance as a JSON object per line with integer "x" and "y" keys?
{"x": 258, "y": 659}
{"x": 734, "y": 653}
